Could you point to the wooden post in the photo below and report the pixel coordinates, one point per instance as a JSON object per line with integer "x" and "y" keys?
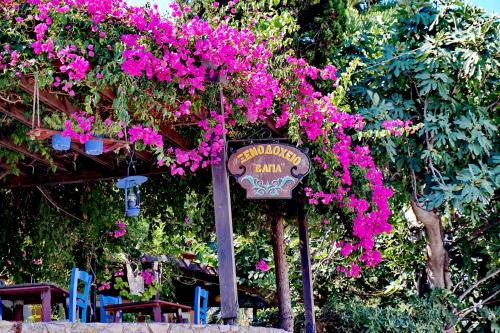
{"x": 224, "y": 230}
{"x": 282, "y": 283}
{"x": 46, "y": 305}
{"x": 305, "y": 259}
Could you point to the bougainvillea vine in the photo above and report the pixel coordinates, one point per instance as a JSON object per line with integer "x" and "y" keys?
{"x": 191, "y": 55}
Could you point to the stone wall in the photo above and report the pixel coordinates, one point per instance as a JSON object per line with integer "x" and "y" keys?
{"x": 66, "y": 327}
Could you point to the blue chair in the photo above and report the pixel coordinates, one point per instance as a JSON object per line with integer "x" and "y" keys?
{"x": 108, "y": 300}
{"x": 77, "y": 299}
{"x": 200, "y": 305}
{"x": 1, "y": 309}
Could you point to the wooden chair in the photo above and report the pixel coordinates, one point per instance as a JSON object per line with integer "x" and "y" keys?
{"x": 77, "y": 299}
{"x": 108, "y": 300}
{"x": 200, "y": 305}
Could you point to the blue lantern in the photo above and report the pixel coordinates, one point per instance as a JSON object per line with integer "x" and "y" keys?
{"x": 132, "y": 194}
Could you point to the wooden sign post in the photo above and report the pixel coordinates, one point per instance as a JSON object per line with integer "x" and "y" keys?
{"x": 272, "y": 171}
{"x": 224, "y": 231}
{"x": 305, "y": 261}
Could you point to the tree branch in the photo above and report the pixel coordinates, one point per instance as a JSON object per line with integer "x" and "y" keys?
{"x": 476, "y": 233}
{"x": 477, "y": 284}
{"x": 465, "y": 312}
{"x": 49, "y": 199}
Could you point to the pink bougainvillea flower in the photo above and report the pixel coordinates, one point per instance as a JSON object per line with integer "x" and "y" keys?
{"x": 121, "y": 231}
{"x": 397, "y": 127}
{"x": 104, "y": 286}
{"x": 262, "y": 266}
{"x": 148, "y": 277}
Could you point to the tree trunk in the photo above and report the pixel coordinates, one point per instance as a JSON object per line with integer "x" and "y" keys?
{"x": 438, "y": 260}
{"x": 282, "y": 283}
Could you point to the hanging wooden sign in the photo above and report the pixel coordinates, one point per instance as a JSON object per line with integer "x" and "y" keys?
{"x": 268, "y": 171}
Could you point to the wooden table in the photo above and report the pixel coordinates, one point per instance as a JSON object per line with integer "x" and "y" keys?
{"x": 156, "y": 306}
{"x": 34, "y": 293}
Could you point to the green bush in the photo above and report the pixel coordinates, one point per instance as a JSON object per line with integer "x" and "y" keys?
{"x": 425, "y": 314}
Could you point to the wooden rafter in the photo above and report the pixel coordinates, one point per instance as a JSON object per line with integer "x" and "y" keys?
{"x": 66, "y": 107}
{"x": 167, "y": 130}
{"x": 271, "y": 124}
{"x": 59, "y": 104}
{"x": 174, "y": 136}
{"x": 6, "y": 167}
{"x": 18, "y": 114}
{"x": 87, "y": 176}
{"x": 35, "y": 156}
{"x": 4, "y": 174}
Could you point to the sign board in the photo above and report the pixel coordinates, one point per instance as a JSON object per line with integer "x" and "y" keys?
{"x": 268, "y": 171}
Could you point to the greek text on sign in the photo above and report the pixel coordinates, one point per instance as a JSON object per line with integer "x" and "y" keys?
{"x": 268, "y": 171}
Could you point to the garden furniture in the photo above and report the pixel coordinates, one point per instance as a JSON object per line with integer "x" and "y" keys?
{"x": 46, "y": 294}
{"x": 108, "y": 300}
{"x": 76, "y": 299}
{"x": 157, "y": 307}
{"x": 200, "y": 305}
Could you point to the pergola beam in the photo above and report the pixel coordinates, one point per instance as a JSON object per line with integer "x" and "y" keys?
{"x": 174, "y": 136}
{"x": 167, "y": 130}
{"x": 4, "y": 174}
{"x": 62, "y": 105}
{"x": 83, "y": 177}
{"x": 18, "y": 114}
{"x": 7, "y": 167}
{"x": 35, "y": 156}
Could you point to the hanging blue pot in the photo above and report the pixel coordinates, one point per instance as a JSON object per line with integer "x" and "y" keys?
{"x": 94, "y": 147}
{"x": 60, "y": 142}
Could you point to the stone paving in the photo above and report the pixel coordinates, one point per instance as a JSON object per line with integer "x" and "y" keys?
{"x": 66, "y": 327}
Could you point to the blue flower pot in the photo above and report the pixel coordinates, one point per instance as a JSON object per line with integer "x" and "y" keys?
{"x": 60, "y": 142}
{"x": 94, "y": 147}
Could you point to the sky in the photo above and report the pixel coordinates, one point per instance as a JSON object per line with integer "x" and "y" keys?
{"x": 162, "y": 4}
{"x": 489, "y": 5}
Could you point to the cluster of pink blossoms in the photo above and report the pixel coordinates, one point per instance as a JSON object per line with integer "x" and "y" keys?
{"x": 316, "y": 114}
{"x": 195, "y": 54}
{"x": 208, "y": 150}
{"x": 148, "y": 277}
{"x": 8, "y": 57}
{"x": 104, "y": 286}
{"x": 146, "y": 135}
{"x": 37, "y": 262}
{"x": 120, "y": 232}
{"x": 397, "y": 127}
{"x": 262, "y": 266}
{"x": 321, "y": 162}
{"x": 79, "y": 127}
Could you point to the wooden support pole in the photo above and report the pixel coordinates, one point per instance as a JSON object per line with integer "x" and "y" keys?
{"x": 282, "y": 283}
{"x": 305, "y": 259}
{"x": 224, "y": 230}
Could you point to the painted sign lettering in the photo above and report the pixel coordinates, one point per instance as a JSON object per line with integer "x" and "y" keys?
{"x": 268, "y": 171}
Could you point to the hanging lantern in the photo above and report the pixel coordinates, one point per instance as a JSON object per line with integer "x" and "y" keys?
{"x": 132, "y": 194}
